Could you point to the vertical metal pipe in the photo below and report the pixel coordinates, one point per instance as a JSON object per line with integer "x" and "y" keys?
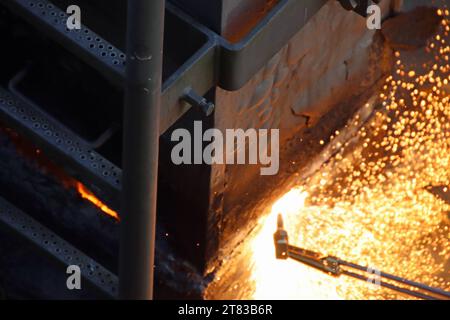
{"x": 145, "y": 32}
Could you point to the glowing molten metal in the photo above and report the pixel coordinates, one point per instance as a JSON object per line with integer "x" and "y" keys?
{"x": 371, "y": 202}
{"x": 86, "y": 194}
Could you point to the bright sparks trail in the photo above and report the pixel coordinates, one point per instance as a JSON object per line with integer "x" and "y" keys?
{"x": 372, "y": 202}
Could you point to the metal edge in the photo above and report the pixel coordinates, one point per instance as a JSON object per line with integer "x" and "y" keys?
{"x": 203, "y": 63}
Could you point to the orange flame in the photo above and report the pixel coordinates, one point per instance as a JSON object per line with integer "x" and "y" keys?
{"x": 30, "y": 151}
{"x": 88, "y": 195}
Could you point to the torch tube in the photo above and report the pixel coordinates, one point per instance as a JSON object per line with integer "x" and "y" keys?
{"x": 401, "y": 280}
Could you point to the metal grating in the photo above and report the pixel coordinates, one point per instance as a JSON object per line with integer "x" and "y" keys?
{"x": 58, "y": 248}
{"x": 85, "y": 43}
{"x": 89, "y": 163}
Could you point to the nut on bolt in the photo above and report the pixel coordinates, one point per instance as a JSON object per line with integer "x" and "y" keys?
{"x": 195, "y": 100}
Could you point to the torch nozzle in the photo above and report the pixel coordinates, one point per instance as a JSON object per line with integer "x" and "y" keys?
{"x": 280, "y": 224}
{"x": 281, "y": 240}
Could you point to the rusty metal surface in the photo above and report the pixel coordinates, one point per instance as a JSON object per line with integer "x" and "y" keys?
{"x": 305, "y": 109}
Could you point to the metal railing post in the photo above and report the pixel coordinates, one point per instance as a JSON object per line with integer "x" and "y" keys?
{"x": 145, "y": 32}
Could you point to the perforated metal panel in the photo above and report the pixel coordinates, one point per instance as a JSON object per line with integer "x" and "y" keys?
{"x": 53, "y": 134}
{"x": 53, "y": 245}
{"x": 96, "y": 51}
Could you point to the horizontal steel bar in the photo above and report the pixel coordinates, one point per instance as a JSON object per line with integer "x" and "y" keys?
{"x": 57, "y": 248}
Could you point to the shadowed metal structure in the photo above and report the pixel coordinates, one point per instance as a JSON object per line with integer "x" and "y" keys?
{"x": 140, "y": 153}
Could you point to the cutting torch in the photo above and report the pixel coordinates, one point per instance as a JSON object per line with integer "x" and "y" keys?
{"x": 336, "y": 267}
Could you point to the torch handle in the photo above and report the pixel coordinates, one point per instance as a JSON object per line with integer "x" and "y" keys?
{"x": 410, "y": 283}
{"x": 335, "y": 266}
